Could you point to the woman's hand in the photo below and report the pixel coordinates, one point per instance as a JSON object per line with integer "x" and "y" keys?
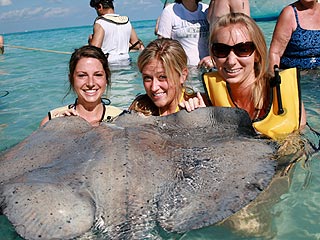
{"x": 193, "y": 103}
{"x": 207, "y": 63}
{"x": 69, "y": 112}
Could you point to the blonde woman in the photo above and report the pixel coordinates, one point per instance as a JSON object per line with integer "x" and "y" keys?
{"x": 163, "y": 65}
{"x": 242, "y": 79}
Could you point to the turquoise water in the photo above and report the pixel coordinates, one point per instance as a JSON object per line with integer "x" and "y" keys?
{"x": 36, "y": 81}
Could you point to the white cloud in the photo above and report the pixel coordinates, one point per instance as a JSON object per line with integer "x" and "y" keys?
{"x": 27, "y": 13}
{"x": 5, "y": 2}
{"x": 21, "y": 14}
{"x": 53, "y": 12}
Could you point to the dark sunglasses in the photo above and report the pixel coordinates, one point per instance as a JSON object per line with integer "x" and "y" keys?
{"x": 244, "y": 49}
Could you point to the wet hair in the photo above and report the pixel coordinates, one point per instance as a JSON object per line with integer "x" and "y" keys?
{"x": 259, "y": 93}
{"x": 171, "y": 54}
{"x": 104, "y": 3}
{"x": 88, "y": 52}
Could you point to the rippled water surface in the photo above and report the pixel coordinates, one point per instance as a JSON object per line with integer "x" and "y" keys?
{"x": 35, "y": 81}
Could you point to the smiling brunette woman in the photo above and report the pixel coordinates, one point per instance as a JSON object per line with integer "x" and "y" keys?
{"x": 89, "y": 77}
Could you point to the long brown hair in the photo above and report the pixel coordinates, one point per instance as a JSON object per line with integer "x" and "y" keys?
{"x": 88, "y": 51}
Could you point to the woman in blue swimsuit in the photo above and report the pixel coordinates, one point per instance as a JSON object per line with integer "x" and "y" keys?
{"x": 296, "y": 37}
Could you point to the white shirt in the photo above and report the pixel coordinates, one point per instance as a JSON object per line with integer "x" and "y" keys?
{"x": 191, "y": 29}
{"x": 116, "y": 41}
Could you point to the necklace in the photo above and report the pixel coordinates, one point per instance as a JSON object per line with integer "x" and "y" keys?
{"x": 103, "y": 109}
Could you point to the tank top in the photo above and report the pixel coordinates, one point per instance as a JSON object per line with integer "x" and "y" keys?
{"x": 303, "y": 49}
{"x": 116, "y": 41}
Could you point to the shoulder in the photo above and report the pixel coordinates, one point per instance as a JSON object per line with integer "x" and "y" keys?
{"x": 99, "y": 24}
{"x": 58, "y": 110}
{"x": 113, "y": 111}
{"x": 169, "y": 8}
{"x": 287, "y": 16}
{"x": 204, "y": 6}
{"x": 287, "y": 12}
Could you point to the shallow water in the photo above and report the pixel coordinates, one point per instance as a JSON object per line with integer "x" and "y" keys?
{"x": 37, "y": 82}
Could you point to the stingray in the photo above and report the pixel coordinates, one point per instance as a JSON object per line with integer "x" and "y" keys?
{"x": 132, "y": 177}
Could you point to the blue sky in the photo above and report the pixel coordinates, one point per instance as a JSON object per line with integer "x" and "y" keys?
{"x": 28, "y": 15}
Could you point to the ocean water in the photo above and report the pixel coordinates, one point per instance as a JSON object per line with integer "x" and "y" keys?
{"x": 35, "y": 81}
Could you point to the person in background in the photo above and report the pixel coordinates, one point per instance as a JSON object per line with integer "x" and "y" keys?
{"x": 158, "y": 19}
{"x": 113, "y": 33}
{"x": 296, "y": 37}
{"x": 1, "y": 44}
{"x": 242, "y": 80}
{"x": 186, "y": 21}
{"x": 163, "y": 65}
{"x": 218, "y": 8}
{"x": 89, "y": 76}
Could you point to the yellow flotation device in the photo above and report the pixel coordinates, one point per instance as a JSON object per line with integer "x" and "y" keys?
{"x": 284, "y": 113}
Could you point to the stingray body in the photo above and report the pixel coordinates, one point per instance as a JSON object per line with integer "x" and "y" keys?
{"x": 123, "y": 180}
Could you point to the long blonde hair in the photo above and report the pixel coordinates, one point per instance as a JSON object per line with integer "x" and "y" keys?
{"x": 171, "y": 54}
{"x": 259, "y": 89}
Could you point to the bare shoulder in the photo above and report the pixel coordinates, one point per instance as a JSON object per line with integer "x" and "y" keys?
{"x": 287, "y": 17}
{"x": 287, "y": 12}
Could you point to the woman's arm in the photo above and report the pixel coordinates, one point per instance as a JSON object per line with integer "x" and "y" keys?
{"x": 165, "y": 25}
{"x": 96, "y": 39}
{"x": 285, "y": 25}
{"x": 135, "y": 42}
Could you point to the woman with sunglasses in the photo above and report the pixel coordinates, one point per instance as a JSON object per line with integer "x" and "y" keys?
{"x": 242, "y": 79}
{"x": 163, "y": 65}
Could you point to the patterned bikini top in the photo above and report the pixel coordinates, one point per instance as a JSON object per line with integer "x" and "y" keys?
{"x": 303, "y": 49}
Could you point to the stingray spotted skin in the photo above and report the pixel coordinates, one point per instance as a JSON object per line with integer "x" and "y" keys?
{"x": 124, "y": 179}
